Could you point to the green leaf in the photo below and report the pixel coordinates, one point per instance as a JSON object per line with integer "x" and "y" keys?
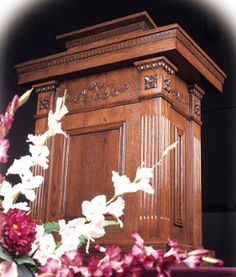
{"x": 82, "y": 241}
{"x": 51, "y": 227}
{"x": 4, "y": 255}
{"x": 25, "y": 97}
{"x": 110, "y": 222}
{"x": 25, "y": 260}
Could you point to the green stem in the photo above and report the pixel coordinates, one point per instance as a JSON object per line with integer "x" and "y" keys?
{"x": 111, "y": 200}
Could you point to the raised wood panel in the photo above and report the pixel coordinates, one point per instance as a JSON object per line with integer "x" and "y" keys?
{"x": 88, "y": 173}
{"x": 179, "y": 179}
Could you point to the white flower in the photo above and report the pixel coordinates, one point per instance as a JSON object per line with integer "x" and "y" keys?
{"x": 116, "y": 209}
{"x": 54, "y": 124}
{"x": 123, "y": 185}
{"x": 10, "y": 193}
{"x": 61, "y": 109}
{"x": 70, "y": 233}
{"x": 40, "y": 155}
{"x": 144, "y": 185}
{"x": 38, "y": 140}
{"x": 95, "y": 207}
{"x": 21, "y": 166}
{"x": 94, "y": 229}
{"x": 28, "y": 186}
{"x": 43, "y": 246}
{"x": 143, "y": 173}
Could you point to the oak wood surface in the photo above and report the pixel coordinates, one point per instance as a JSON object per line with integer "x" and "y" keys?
{"x": 120, "y": 116}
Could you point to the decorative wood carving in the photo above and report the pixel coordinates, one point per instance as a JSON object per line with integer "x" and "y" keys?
{"x": 153, "y": 65}
{"x": 197, "y": 107}
{"x": 150, "y": 81}
{"x": 166, "y": 84}
{"x": 44, "y": 102}
{"x": 46, "y": 87}
{"x": 178, "y": 96}
{"x": 97, "y": 91}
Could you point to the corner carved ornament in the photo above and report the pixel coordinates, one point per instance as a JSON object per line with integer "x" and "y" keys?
{"x": 44, "y": 92}
{"x": 97, "y": 90}
{"x": 150, "y": 81}
{"x": 198, "y": 94}
{"x": 44, "y": 102}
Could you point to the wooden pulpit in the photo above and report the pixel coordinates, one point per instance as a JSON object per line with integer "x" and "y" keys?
{"x": 132, "y": 89}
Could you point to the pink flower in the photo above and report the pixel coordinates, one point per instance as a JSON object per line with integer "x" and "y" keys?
{"x": 51, "y": 266}
{"x": 7, "y": 119}
{"x": 111, "y": 261}
{"x": 19, "y": 232}
{"x": 12, "y": 106}
{"x": 4, "y": 146}
{"x": 72, "y": 260}
{"x": 93, "y": 268}
{"x": 8, "y": 269}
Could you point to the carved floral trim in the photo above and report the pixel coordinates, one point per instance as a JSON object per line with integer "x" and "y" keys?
{"x": 97, "y": 90}
{"x": 44, "y": 102}
{"x": 197, "y": 107}
{"x": 166, "y": 84}
{"x": 150, "y": 81}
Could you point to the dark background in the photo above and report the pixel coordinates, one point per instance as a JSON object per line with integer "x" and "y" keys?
{"x": 33, "y": 36}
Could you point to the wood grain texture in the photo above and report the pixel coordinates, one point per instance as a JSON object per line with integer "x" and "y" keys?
{"x": 130, "y": 93}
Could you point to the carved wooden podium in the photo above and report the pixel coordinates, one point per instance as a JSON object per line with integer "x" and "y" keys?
{"x": 133, "y": 89}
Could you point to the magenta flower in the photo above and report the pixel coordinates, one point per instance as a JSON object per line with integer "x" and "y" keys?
{"x": 52, "y": 266}
{"x": 7, "y": 119}
{"x": 111, "y": 261}
{"x": 19, "y": 232}
{"x": 72, "y": 260}
{"x": 4, "y": 146}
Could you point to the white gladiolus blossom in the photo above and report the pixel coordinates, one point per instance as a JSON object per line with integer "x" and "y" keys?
{"x": 46, "y": 248}
{"x": 40, "y": 155}
{"x": 38, "y": 140}
{"x": 9, "y": 193}
{"x": 28, "y": 186}
{"x": 70, "y": 233}
{"x": 95, "y": 207}
{"x": 54, "y": 124}
{"x": 21, "y": 166}
{"x": 43, "y": 246}
{"x": 116, "y": 209}
{"x": 144, "y": 185}
{"x": 143, "y": 173}
{"x": 123, "y": 185}
{"x": 94, "y": 229}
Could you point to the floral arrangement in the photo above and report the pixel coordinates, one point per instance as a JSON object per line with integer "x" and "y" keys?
{"x": 23, "y": 242}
